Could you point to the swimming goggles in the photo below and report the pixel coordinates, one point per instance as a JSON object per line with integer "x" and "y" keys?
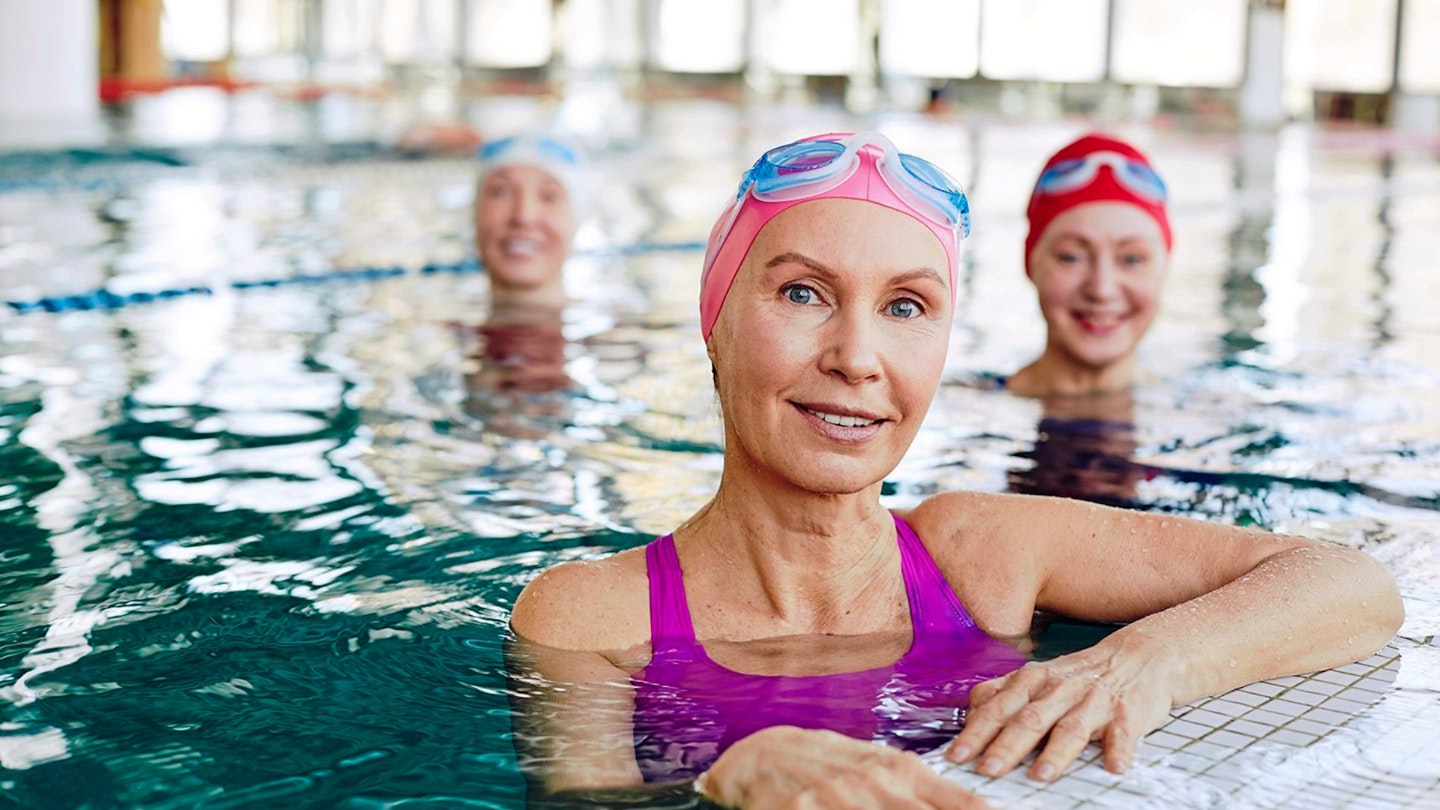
{"x": 809, "y": 168}
{"x": 1077, "y": 173}
{"x": 545, "y": 147}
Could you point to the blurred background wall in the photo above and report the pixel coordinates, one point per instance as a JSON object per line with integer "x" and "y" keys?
{"x": 1254, "y": 61}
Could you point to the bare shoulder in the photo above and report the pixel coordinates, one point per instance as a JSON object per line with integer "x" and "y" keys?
{"x": 1008, "y": 516}
{"x": 601, "y": 604}
{"x": 957, "y": 520}
{"x": 977, "y": 540}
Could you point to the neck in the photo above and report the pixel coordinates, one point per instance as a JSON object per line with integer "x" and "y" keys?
{"x": 806, "y": 562}
{"x": 550, "y": 294}
{"x": 1057, "y": 374}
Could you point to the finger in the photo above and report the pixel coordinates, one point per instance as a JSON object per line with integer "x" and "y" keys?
{"x": 1028, "y": 725}
{"x": 886, "y": 783}
{"x": 985, "y": 690}
{"x": 991, "y": 705}
{"x": 1070, "y": 736}
{"x": 943, "y": 794}
{"x": 1119, "y": 742}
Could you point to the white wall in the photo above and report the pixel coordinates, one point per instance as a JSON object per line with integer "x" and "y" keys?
{"x": 49, "y": 65}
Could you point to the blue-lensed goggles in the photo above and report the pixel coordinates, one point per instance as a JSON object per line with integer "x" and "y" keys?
{"x": 810, "y": 168}
{"x": 545, "y": 147}
{"x": 1072, "y": 175}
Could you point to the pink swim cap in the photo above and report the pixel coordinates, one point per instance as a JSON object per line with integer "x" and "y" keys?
{"x": 728, "y": 247}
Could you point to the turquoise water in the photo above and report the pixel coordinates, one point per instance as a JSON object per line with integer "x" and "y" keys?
{"x": 261, "y": 541}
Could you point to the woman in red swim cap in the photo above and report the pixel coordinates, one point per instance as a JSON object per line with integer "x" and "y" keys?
{"x": 1098, "y": 252}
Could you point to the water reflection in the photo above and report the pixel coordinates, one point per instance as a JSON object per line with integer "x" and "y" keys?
{"x": 514, "y": 376}
{"x": 1084, "y": 448}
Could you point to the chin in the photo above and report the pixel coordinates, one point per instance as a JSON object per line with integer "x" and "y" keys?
{"x": 525, "y": 277}
{"x": 838, "y": 479}
{"x": 1099, "y": 355}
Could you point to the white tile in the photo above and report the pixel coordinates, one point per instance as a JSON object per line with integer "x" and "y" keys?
{"x": 1230, "y": 739}
{"x": 1263, "y": 688}
{"x": 1166, "y": 740}
{"x": 1267, "y": 717}
{"x": 1306, "y": 726}
{"x": 1334, "y": 676}
{"x": 1319, "y": 687}
{"x": 1208, "y": 717}
{"x": 1330, "y": 716}
{"x": 1250, "y": 727}
{"x": 1186, "y": 729}
{"x": 1291, "y": 737}
{"x": 1248, "y": 698}
{"x": 1289, "y": 708}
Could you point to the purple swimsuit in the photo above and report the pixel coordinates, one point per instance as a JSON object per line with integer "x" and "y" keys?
{"x": 689, "y": 709}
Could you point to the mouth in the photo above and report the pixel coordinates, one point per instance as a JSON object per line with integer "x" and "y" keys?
{"x": 841, "y": 417}
{"x": 1099, "y": 323}
{"x": 520, "y": 248}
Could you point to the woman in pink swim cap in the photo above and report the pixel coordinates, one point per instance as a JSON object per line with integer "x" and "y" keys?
{"x": 1098, "y": 253}
{"x": 758, "y": 652}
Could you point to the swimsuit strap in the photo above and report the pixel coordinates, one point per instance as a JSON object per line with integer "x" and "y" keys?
{"x": 934, "y": 607}
{"x": 670, "y": 627}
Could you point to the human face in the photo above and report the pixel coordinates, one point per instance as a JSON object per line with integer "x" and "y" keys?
{"x": 1098, "y": 271}
{"x": 830, "y": 344}
{"x": 524, "y": 225}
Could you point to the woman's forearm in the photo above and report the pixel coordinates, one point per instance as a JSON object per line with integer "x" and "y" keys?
{"x": 1299, "y": 610}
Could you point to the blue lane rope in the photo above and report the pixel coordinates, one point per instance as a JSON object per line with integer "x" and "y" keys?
{"x": 105, "y": 299}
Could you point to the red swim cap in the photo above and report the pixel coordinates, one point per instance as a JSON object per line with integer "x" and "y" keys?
{"x": 1045, "y": 205}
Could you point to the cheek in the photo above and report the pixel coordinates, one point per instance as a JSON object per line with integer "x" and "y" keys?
{"x": 916, "y": 361}
{"x": 1144, "y": 293}
{"x": 1056, "y": 289}
{"x": 489, "y": 221}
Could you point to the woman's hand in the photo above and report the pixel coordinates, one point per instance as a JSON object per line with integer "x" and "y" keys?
{"x": 788, "y": 767}
{"x": 1095, "y": 694}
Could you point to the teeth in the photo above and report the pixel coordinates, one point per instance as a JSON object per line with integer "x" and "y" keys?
{"x": 841, "y": 421}
{"x": 521, "y": 247}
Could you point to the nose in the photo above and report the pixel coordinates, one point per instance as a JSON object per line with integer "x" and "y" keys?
{"x": 1102, "y": 282}
{"x": 525, "y": 208}
{"x": 852, "y": 348}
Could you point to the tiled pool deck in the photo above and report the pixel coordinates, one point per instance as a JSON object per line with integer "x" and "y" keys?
{"x": 1360, "y": 736}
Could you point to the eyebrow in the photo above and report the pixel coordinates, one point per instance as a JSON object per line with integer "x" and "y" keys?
{"x": 1120, "y": 240}
{"x": 919, "y": 273}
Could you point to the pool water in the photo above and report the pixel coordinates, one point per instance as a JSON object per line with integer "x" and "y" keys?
{"x": 262, "y": 539}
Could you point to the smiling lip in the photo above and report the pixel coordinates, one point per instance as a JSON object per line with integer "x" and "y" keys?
{"x": 1099, "y": 324}
{"x": 844, "y": 424}
{"x": 520, "y": 247}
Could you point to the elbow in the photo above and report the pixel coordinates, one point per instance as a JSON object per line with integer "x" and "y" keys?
{"x": 1384, "y": 610}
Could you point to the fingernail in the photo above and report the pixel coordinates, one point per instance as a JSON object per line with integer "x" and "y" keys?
{"x": 1045, "y": 772}
{"x": 991, "y": 766}
{"x": 960, "y": 753}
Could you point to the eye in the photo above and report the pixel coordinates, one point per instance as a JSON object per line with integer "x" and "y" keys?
{"x": 1134, "y": 259}
{"x": 800, "y": 294}
{"x": 905, "y": 308}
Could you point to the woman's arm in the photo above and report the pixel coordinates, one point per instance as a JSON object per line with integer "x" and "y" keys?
{"x": 1210, "y": 607}
{"x": 570, "y": 714}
